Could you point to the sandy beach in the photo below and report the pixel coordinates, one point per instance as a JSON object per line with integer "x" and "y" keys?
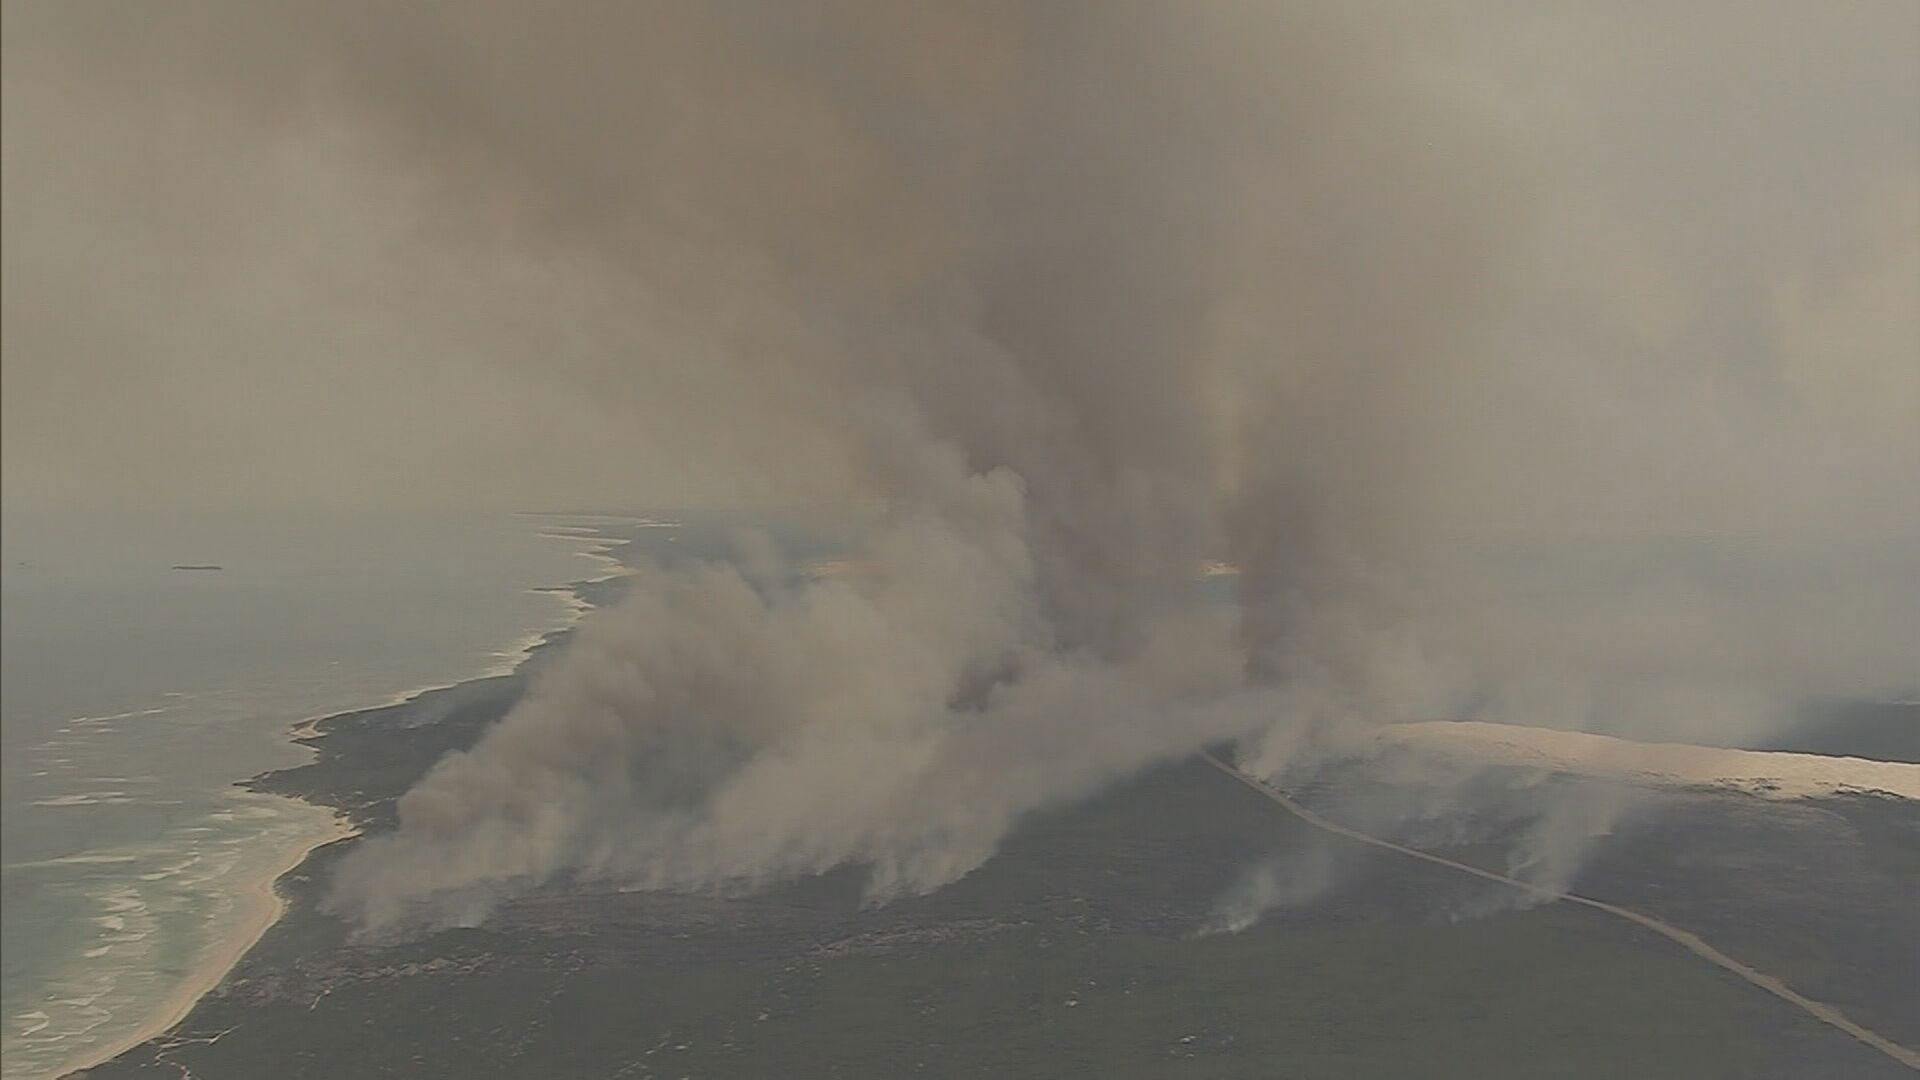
{"x": 1770, "y": 774}
{"x": 259, "y": 905}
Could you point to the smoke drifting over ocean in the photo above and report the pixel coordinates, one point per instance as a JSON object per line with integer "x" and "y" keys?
{"x": 1085, "y": 295}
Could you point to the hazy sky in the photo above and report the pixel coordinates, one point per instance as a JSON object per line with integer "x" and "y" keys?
{"x": 500, "y": 255}
{"x": 1540, "y": 362}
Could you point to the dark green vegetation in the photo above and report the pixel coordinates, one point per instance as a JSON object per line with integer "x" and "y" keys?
{"x": 1078, "y": 951}
{"x": 1537, "y": 994}
{"x": 1075, "y": 952}
{"x": 1817, "y": 892}
{"x": 1824, "y": 894}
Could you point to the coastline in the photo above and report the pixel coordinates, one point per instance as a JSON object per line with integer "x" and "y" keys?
{"x": 260, "y": 899}
{"x": 508, "y": 660}
{"x": 262, "y": 905}
{"x": 310, "y": 998}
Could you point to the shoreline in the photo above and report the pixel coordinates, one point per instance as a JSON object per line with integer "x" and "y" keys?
{"x": 261, "y": 905}
{"x": 507, "y": 660}
{"x": 259, "y": 899}
{"x": 1693, "y": 943}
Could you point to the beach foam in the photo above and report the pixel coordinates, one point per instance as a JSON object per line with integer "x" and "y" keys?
{"x": 110, "y": 924}
{"x": 130, "y": 714}
{"x": 85, "y": 798}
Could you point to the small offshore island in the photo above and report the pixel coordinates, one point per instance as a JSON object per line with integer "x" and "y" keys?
{"x": 1090, "y": 941}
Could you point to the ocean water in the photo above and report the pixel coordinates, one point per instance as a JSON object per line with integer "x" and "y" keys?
{"x": 133, "y": 695}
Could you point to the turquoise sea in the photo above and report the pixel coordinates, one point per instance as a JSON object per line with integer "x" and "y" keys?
{"x": 133, "y": 695}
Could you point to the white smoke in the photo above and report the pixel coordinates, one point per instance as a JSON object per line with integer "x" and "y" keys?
{"x": 1536, "y": 367}
{"x": 717, "y": 730}
{"x": 1274, "y": 883}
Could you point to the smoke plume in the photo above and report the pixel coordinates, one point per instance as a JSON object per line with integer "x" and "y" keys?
{"x": 1459, "y": 367}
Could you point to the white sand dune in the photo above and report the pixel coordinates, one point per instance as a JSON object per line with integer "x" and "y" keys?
{"x": 1693, "y": 943}
{"x": 1772, "y": 774}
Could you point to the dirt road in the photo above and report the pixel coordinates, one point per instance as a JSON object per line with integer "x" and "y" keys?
{"x": 1820, "y": 1011}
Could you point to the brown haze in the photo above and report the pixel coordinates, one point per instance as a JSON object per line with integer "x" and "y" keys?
{"x": 1558, "y": 366}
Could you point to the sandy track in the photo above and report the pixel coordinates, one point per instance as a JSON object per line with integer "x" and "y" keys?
{"x": 1820, "y": 1011}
